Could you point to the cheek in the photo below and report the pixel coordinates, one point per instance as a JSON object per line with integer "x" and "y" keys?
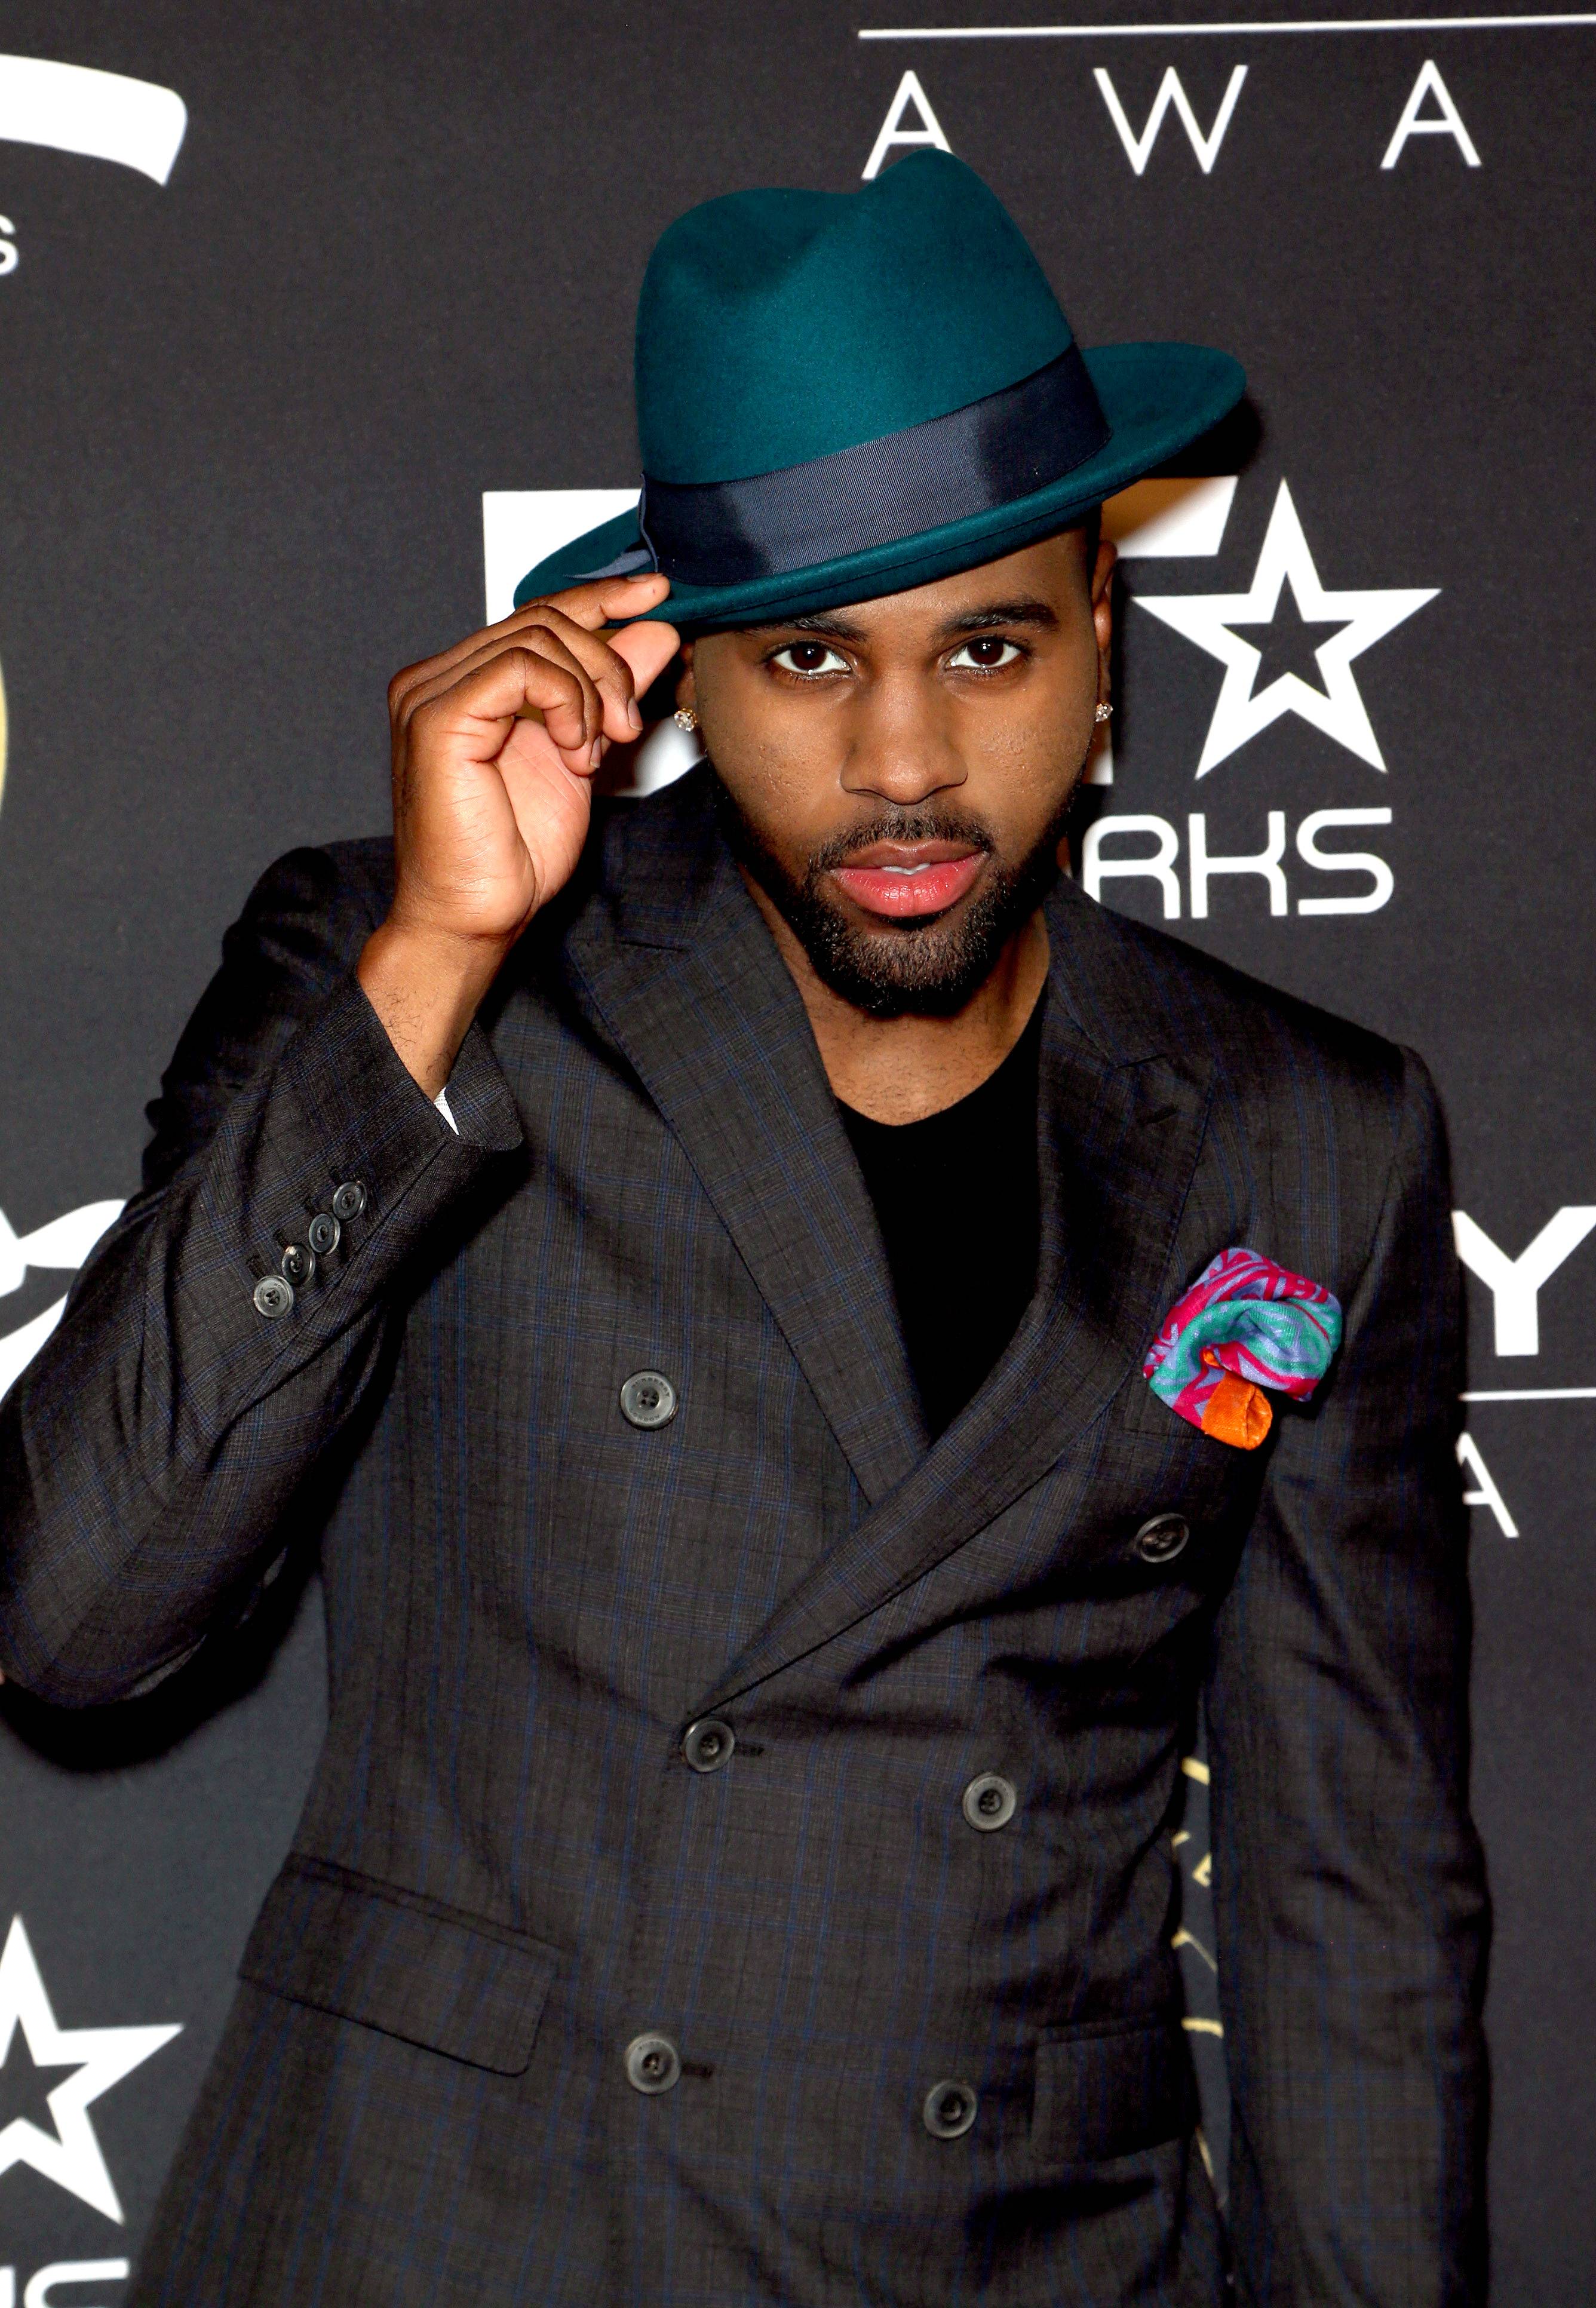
{"x": 1027, "y": 757}
{"x": 773, "y": 757}
{"x": 781, "y": 779}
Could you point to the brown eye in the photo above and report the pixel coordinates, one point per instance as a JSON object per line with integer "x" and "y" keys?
{"x": 809, "y": 658}
{"x": 985, "y": 653}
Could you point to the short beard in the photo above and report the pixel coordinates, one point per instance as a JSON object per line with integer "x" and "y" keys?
{"x": 930, "y": 967}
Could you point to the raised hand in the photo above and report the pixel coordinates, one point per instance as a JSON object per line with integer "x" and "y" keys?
{"x": 494, "y": 746}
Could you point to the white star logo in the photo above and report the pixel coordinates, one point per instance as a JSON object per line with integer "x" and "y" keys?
{"x": 100, "y": 2057}
{"x": 1365, "y": 617}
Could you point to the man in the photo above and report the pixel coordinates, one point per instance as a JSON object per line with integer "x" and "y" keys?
{"x": 700, "y": 1260}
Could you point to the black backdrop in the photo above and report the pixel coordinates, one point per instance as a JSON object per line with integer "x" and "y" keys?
{"x": 251, "y": 416}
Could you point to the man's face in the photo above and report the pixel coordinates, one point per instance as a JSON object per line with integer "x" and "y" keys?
{"x": 894, "y": 776}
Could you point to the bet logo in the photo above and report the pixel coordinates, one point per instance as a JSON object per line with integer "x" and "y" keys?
{"x": 1288, "y": 644}
{"x": 55, "y": 2074}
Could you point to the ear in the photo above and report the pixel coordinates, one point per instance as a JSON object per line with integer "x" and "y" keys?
{"x": 687, "y": 686}
{"x": 1103, "y": 602}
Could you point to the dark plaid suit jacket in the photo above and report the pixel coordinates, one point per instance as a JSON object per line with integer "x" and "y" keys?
{"x": 506, "y": 1870}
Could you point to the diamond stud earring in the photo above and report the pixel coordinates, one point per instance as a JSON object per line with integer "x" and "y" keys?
{"x": 1104, "y": 710}
{"x": 685, "y": 718}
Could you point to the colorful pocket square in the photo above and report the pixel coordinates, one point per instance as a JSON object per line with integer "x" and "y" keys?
{"x": 1246, "y": 1324}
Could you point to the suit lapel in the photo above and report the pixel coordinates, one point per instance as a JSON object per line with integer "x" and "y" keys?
{"x": 680, "y": 972}
{"x": 1120, "y": 1126}
{"x": 673, "y": 963}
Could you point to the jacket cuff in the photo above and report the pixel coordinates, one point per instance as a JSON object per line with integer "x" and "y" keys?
{"x": 341, "y": 1160}
{"x": 365, "y": 1114}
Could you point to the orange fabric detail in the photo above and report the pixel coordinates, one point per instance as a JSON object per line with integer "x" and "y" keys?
{"x": 1237, "y": 1412}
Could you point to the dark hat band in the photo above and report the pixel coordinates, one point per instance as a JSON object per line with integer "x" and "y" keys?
{"x": 975, "y": 458}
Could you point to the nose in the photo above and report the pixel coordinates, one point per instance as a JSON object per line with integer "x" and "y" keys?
{"x": 902, "y": 747}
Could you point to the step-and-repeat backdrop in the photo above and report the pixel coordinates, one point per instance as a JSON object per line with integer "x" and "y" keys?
{"x": 315, "y": 325}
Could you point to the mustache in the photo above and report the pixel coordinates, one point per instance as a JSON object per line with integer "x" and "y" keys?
{"x": 902, "y": 825}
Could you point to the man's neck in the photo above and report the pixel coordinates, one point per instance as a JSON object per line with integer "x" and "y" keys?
{"x": 903, "y": 1069}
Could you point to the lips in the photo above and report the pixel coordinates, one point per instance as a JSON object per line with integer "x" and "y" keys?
{"x": 903, "y": 881}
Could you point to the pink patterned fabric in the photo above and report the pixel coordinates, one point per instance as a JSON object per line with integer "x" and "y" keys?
{"x": 1244, "y": 1323}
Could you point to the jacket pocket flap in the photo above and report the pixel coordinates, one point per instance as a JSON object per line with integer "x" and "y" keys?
{"x": 390, "y": 1959}
{"x": 1110, "y": 2088}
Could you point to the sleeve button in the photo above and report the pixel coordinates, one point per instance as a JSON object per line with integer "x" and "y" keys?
{"x": 349, "y": 1200}
{"x": 273, "y": 1296}
{"x": 298, "y": 1265}
{"x": 325, "y": 1234}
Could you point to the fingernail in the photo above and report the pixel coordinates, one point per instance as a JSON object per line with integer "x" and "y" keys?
{"x": 633, "y": 714}
{"x": 597, "y": 755}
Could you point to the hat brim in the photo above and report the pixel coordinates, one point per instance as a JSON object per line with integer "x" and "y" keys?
{"x": 1158, "y": 398}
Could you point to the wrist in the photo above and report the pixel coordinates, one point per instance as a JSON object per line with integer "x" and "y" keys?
{"x": 463, "y": 961}
{"x": 426, "y": 984}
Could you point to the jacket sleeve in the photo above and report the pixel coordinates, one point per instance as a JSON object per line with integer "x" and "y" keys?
{"x": 1348, "y": 1878}
{"x": 149, "y": 1452}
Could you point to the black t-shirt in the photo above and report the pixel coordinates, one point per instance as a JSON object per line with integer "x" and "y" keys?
{"x": 956, "y": 1198}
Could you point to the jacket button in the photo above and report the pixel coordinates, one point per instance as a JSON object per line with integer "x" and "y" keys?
{"x": 949, "y": 2110}
{"x": 990, "y": 1802}
{"x": 648, "y": 1399}
{"x": 654, "y": 2064}
{"x": 348, "y": 1200}
{"x": 324, "y": 1234}
{"x": 1162, "y": 1539}
{"x": 297, "y": 1264}
{"x": 706, "y": 1745}
{"x": 272, "y": 1296}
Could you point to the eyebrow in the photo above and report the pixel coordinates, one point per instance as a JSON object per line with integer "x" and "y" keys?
{"x": 822, "y": 621}
{"x": 1025, "y": 611}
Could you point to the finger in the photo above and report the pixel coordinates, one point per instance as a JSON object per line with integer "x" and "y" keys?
{"x": 624, "y": 665}
{"x": 640, "y": 654}
{"x": 541, "y": 642}
{"x": 647, "y": 650}
{"x": 477, "y": 710}
{"x": 609, "y": 599}
{"x": 610, "y": 673}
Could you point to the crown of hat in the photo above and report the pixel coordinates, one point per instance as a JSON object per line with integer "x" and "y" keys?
{"x": 776, "y": 326}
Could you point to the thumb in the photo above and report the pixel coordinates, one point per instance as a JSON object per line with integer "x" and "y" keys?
{"x": 648, "y": 649}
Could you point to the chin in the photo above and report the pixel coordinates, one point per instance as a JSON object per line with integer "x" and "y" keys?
{"x": 932, "y": 968}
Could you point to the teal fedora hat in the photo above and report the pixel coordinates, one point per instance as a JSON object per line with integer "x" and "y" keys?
{"x": 844, "y": 394}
